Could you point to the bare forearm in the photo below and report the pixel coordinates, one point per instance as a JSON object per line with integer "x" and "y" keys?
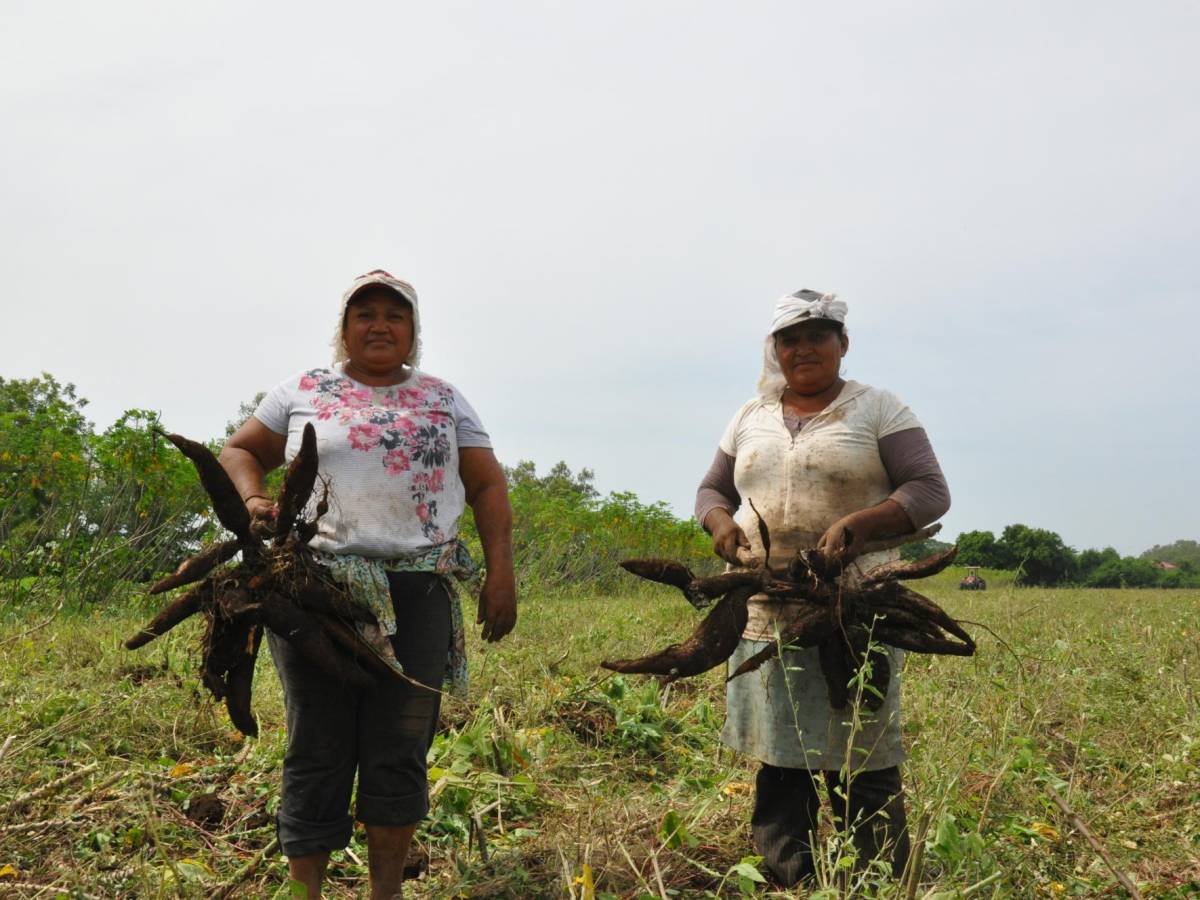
{"x": 844, "y": 539}
{"x": 493, "y": 521}
{"x": 245, "y": 470}
{"x": 884, "y": 519}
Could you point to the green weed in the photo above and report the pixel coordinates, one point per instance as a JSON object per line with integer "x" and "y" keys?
{"x": 554, "y": 765}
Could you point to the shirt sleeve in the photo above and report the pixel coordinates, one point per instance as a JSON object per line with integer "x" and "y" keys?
{"x": 469, "y": 430}
{"x": 276, "y": 408}
{"x": 728, "y": 442}
{"x": 920, "y": 486}
{"x": 894, "y": 415}
{"x": 717, "y": 490}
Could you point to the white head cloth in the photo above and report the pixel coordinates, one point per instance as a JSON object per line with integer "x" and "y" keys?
{"x": 801, "y": 306}
{"x": 401, "y": 287}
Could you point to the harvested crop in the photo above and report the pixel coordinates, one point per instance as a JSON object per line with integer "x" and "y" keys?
{"x": 847, "y": 625}
{"x": 278, "y": 584}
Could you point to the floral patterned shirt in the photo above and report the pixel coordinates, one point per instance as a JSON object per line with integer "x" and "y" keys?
{"x": 390, "y": 455}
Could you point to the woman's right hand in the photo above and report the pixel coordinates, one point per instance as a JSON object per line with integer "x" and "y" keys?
{"x": 261, "y": 508}
{"x": 727, "y": 535}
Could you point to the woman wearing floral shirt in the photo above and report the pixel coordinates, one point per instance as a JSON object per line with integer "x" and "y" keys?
{"x": 404, "y": 453}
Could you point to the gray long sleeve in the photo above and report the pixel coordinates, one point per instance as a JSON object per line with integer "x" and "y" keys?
{"x": 716, "y": 489}
{"x": 920, "y": 486}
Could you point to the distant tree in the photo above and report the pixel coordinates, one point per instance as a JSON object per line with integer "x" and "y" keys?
{"x": 1178, "y": 553}
{"x": 145, "y": 495}
{"x": 1186, "y": 576}
{"x": 560, "y": 481}
{"x": 1039, "y": 555}
{"x": 978, "y": 548}
{"x": 565, "y": 533}
{"x": 1125, "y": 572}
{"x": 1090, "y": 560}
{"x": 43, "y": 457}
{"x": 926, "y": 548}
{"x": 245, "y": 411}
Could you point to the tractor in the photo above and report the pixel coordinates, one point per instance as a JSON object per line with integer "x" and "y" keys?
{"x": 972, "y": 581}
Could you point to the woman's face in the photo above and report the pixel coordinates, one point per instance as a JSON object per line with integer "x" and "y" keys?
{"x": 810, "y": 355}
{"x": 378, "y": 331}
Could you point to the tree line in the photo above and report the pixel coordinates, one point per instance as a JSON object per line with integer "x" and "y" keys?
{"x": 1039, "y": 557}
{"x": 95, "y": 509}
{"x": 120, "y": 505}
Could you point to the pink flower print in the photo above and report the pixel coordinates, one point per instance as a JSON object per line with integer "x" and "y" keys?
{"x": 437, "y": 479}
{"x": 396, "y": 462}
{"x": 365, "y": 436}
{"x": 308, "y": 383}
{"x": 423, "y": 512}
{"x": 404, "y": 423}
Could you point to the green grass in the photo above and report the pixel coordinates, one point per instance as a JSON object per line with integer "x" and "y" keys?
{"x": 567, "y": 768}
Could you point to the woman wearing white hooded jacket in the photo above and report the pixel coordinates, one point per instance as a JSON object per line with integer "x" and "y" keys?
{"x": 829, "y": 463}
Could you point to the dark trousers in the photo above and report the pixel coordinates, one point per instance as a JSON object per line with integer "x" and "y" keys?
{"x": 786, "y": 804}
{"x": 383, "y": 734}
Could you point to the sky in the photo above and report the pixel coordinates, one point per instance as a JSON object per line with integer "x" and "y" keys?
{"x": 599, "y": 204}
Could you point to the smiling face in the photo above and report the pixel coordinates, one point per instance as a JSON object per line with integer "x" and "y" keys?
{"x": 378, "y": 332}
{"x": 810, "y": 355}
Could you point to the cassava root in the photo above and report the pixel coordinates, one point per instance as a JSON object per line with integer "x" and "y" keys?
{"x": 847, "y": 625}
{"x": 277, "y": 585}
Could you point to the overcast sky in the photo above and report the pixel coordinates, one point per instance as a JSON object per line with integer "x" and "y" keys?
{"x": 599, "y": 204}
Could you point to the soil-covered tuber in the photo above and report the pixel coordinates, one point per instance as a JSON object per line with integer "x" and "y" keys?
{"x": 277, "y": 585}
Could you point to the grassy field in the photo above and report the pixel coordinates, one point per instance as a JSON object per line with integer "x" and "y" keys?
{"x": 585, "y": 785}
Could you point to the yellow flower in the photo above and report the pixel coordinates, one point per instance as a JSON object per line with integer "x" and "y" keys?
{"x": 1049, "y": 832}
{"x": 8, "y": 871}
{"x": 586, "y": 882}
{"x": 182, "y": 769}
{"x": 736, "y": 787}
{"x": 56, "y": 456}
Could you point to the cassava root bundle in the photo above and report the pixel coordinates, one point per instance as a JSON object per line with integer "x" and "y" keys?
{"x": 846, "y": 625}
{"x": 277, "y": 585}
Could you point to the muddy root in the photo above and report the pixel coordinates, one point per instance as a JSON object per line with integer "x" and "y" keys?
{"x": 194, "y": 568}
{"x": 710, "y": 644}
{"x": 848, "y": 625}
{"x": 297, "y": 485}
{"x": 279, "y": 585}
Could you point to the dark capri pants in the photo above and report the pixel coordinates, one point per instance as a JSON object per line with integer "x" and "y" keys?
{"x": 786, "y": 804}
{"x": 384, "y": 733}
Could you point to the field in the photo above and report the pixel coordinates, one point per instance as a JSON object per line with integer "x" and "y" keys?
{"x": 577, "y": 784}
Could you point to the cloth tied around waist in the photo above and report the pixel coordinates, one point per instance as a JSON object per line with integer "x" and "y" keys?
{"x": 366, "y": 580}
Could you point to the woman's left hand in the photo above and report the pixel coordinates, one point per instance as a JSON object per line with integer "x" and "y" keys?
{"x": 843, "y": 540}
{"x": 497, "y": 607}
